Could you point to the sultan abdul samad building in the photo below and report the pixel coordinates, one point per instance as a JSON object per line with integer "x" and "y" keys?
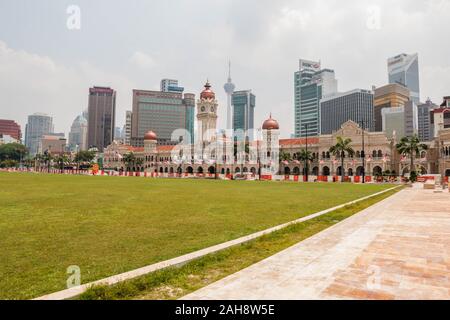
{"x": 217, "y": 153}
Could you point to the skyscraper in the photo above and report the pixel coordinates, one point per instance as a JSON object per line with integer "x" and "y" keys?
{"x": 424, "y": 116}
{"x": 388, "y": 96}
{"x": 127, "y": 128}
{"x": 243, "y": 105}
{"x": 311, "y": 84}
{"x": 10, "y": 128}
{"x": 78, "y": 134}
{"x": 229, "y": 89}
{"x": 393, "y": 120}
{"x": 404, "y": 69}
{"x": 163, "y": 113}
{"x": 355, "y": 105}
{"x": 101, "y": 117}
{"x": 170, "y": 85}
{"x": 39, "y": 124}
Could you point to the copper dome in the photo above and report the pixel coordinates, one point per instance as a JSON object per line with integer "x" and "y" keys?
{"x": 207, "y": 93}
{"x": 270, "y": 124}
{"x": 150, "y": 135}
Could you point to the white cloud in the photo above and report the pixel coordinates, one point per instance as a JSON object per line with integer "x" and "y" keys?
{"x": 142, "y": 60}
{"x": 32, "y": 83}
{"x": 189, "y": 41}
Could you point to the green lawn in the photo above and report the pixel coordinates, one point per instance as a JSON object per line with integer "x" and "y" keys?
{"x": 109, "y": 225}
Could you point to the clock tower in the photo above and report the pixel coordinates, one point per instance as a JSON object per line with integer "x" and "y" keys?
{"x": 207, "y": 115}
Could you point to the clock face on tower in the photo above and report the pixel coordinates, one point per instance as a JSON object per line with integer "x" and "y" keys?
{"x": 202, "y": 109}
{"x": 212, "y": 109}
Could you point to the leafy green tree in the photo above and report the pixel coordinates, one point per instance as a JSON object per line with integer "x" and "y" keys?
{"x": 342, "y": 147}
{"x": 411, "y": 146}
{"x": 305, "y": 156}
{"x": 12, "y": 153}
{"x": 84, "y": 157}
{"x": 284, "y": 156}
{"x": 62, "y": 159}
{"x": 129, "y": 159}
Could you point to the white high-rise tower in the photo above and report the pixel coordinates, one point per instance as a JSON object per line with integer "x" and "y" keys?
{"x": 229, "y": 89}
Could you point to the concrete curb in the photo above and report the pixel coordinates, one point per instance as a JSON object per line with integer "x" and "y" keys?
{"x": 75, "y": 291}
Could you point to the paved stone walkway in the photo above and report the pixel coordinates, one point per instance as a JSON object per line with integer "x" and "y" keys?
{"x": 396, "y": 249}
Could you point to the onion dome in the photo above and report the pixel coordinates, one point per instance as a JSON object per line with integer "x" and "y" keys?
{"x": 270, "y": 124}
{"x": 207, "y": 93}
{"x": 150, "y": 135}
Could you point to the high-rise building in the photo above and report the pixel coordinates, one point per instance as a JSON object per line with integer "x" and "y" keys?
{"x": 38, "y": 125}
{"x": 388, "y": 96}
{"x": 424, "y": 116}
{"x": 118, "y": 134}
{"x": 101, "y": 117}
{"x": 355, "y": 105}
{"x": 10, "y": 128}
{"x": 78, "y": 134}
{"x": 394, "y": 122}
{"x": 243, "y": 103}
{"x": 170, "y": 85}
{"x": 229, "y": 89}
{"x": 404, "y": 69}
{"x": 403, "y": 120}
{"x": 127, "y": 128}
{"x": 411, "y": 119}
{"x": 163, "y": 113}
{"x": 311, "y": 85}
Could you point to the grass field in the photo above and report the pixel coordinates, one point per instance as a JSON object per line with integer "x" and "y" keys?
{"x": 109, "y": 225}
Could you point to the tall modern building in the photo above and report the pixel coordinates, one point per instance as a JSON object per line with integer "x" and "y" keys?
{"x": 38, "y": 125}
{"x": 394, "y": 122}
{"x": 404, "y": 69}
{"x": 402, "y": 120}
{"x": 311, "y": 85}
{"x": 78, "y": 134}
{"x": 244, "y": 103}
{"x": 388, "y": 96}
{"x": 229, "y": 89}
{"x": 10, "y": 128}
{"x": 411, "y": 119}
{"x": 127, "y": 128}
{"x": 162, "y": 113}
{"x": 424, "y": 117}
{"x": 355, "y": 105}
{"x": 170, "y": 85}
{"x": 101, "y": 117}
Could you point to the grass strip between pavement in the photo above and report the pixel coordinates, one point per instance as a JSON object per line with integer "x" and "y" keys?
{"x": 176, "y": 282}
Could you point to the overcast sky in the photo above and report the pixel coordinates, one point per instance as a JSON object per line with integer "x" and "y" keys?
{"x": 47, "y": 67}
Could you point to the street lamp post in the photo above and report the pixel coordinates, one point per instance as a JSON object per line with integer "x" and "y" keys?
{"x": 306, "y": 149}
{"x": 363, "y": 152}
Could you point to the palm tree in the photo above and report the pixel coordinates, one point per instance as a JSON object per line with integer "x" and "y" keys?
{"x": 342, "y": 147}
{"x": 284, "y": 156}
{"x": 305, "y": 156}
{"x": 139, "y": 162}
{"x": 411, "y": 146}
{"x": 47, "y": 158}
{"x": 129, "y": 159}
{"x": 61, "y": 160}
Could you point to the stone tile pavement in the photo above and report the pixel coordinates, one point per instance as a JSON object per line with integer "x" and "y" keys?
{"x": 396, "y": 249}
